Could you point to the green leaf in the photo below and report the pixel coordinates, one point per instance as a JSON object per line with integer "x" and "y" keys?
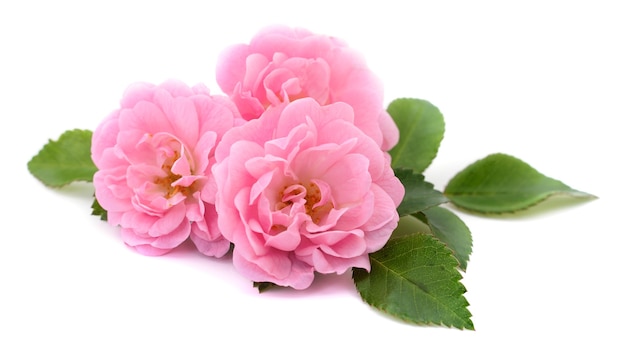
{"x": 263, "y": 286}
{"x": 97, "y": 210}
{"x": 451, "y": 230}
{"x": 501, "y": 183}
{"x": 418, "y": 194}
{"x": 409, "y": 225}
{"x": 415, "y": 278}
{"x": 64, "y": 161}
{"x": 267, "y": 286}
{"x": 421, "y": 131}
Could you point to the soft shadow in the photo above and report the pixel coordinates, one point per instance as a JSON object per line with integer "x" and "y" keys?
{"x": 188, "y": 252}
{"x": 323, "y": 285}
{"x": 76, "y": 190}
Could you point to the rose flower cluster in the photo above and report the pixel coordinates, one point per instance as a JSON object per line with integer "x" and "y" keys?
{"x": 288, "y": 168}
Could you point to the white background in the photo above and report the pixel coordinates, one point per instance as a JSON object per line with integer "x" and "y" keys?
{"x": 544, "y": 81}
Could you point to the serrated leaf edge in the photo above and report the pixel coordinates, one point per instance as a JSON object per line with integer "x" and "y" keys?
{"x": 431, "y": 323}
{"x": 454, "y": 253}
{"x": 574, "y": 194}
{"x": 407, "y": 319}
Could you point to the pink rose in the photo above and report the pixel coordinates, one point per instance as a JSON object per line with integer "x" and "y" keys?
{"x": 283, "y": 64}
{"x": 154, "y": 158}
{"x": 303, "y": 190}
